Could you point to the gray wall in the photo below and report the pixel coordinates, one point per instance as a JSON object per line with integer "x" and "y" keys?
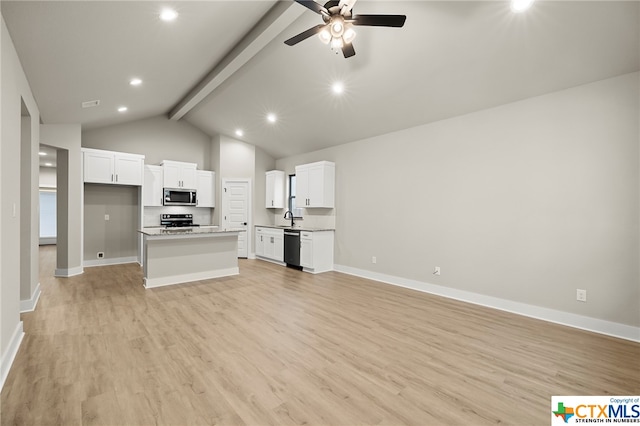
{"x": 526, "y": 202}
{"x": 116, "y": 237}
{"x": 14, "y": 89}
{"x": 66, "y": 137}
{"x": 156, "y": 138}
{"x": 237, "y": 159}
{"x": 262, "y": 215}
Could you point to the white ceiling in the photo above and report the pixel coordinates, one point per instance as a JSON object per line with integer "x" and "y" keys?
{"x": 451, "y": 58}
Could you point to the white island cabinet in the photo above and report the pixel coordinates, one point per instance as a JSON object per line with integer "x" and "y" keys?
{"x": 113, "y": 168}
{"x": 174, "y": 256}
{"x": 315, "y": 185}
{"x": 179, "y": 175}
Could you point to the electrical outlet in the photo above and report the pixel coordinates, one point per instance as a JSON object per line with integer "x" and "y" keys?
{"x": 106, "y": 217}
{"x": 581, "y": 295}
{"x": 436, "y": 270}
{"x": 374, "y": 260}
{"x": 100, "y": 255}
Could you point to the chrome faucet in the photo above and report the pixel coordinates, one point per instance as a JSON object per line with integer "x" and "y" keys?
{"x": 290, "y": 216}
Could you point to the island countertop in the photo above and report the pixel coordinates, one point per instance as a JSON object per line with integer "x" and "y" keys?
{"x": 187, "y": 232}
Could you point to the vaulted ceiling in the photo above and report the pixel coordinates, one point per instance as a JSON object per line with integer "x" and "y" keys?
{"x": 223, "y": 66}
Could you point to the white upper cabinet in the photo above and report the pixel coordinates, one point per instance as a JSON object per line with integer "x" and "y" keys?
{"x": 111, "y": 167}
{"x": 315, "y": 185}
{"x": 152, "y": 189}
{"x": 129, "y": 169}
{"x": 205, "y": 188}
{"x": 179, "y": 175}
{"x": 275, "y": 190}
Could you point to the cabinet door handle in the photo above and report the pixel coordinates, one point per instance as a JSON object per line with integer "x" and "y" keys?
{"x": 111, "y": 177}
{"x": 116, "y": 177}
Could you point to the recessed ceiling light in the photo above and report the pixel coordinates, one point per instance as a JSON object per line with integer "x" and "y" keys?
{"x": 337, "y": 88}
{"x": 48, "y": 164}
{"x": 42, "y": 153}
{"x": 239, "y": 132}
{"x": 135, "y": 82}
{"x": 271, "y": 118}
{"x": 122, "y": 109}
{"x": 521, "y": 5}
{"x": 168, "y": 15}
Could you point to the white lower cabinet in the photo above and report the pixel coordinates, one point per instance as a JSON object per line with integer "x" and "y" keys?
{"x": 316, "y": 251}
{"x": 270, "y": 244}
{"x": 306, "y": 250}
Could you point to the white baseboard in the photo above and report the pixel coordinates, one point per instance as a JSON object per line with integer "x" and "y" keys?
{"x": 185, "y": 278}
{"x": 66, "y": 273}
{"x": 30, "y": 304}
{"x": 609, "y": 328}
{"x": 10, "y": 354}
{"x": 266, "y": 259}
{"x": 110, "y": 261}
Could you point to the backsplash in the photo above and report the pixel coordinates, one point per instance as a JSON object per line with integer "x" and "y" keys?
{"x": 311, "y": 218}
{"x": 201, "y": 216}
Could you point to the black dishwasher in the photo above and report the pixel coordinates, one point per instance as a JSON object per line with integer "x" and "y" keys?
{"x": 292, "y": 248}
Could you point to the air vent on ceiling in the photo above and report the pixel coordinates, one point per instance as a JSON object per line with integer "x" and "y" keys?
{"x": 90, "y": 104}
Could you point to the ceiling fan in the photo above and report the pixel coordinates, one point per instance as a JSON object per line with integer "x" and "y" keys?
{"x": 339, "y": 20}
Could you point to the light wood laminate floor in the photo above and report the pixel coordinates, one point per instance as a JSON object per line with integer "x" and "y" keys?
{"x": 276, "y": 346}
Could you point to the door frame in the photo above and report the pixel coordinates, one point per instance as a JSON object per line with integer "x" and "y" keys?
{"x": 225, "y": 182}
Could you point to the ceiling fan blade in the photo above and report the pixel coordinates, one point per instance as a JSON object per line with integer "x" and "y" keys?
{"x": 348, "y": 50}
{"x": 379, "y": 20}
{"x": 312, "y": 5}
{"x": 304, "y": 35}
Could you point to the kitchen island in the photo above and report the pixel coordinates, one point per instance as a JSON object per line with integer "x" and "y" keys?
{"x": 180, "y": 255}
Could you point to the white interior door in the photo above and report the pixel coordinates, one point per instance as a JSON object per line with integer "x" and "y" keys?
{"x": 235, "y": 210}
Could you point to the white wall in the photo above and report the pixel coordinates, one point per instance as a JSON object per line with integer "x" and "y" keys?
{"x": 525, "y": 202}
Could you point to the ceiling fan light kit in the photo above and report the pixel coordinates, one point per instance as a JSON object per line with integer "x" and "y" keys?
{"x": 339, "y": 20}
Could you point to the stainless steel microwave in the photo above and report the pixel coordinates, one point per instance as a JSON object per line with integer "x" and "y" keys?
{"x": 179, "y": 197}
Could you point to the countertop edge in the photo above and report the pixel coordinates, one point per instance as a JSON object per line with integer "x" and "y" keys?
{"x": 288, "y": 228}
